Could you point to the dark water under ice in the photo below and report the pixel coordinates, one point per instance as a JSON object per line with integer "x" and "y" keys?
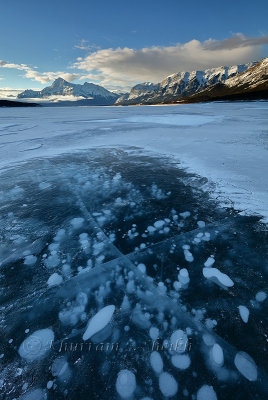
{"x": 99, "y": 220}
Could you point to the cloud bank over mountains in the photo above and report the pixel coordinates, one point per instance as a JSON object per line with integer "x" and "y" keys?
{"x": 121, "y": 68}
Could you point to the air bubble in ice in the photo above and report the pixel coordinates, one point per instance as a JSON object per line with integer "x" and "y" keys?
{"x": 37, "y": 345}
{"x": 206, "y": 393}
{"x": 167, "y": 384}
{"x": 156, "y": 362}
{"x": 125, "y": 383}
{"x": 99, "y": 321}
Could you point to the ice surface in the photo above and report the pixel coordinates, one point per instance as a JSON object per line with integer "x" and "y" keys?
{"x": 88, "y": 214}
{"x": 34, "y": 394}
{"x": 125, "y": 383}
{"x": 99, "y": 321}
{"x": 181, "y": 120}
{"x": 235, "y": 180}
{"x": 168, "y": 384}
{"x": 37, "y": 345}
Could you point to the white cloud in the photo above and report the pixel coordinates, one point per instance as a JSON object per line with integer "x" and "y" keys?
{"x": 9, "y": 93}
{"x": 126, "y": 66}
{"x": 42, "y": 77}
{"x": 20, "y": 67}
{"x": 54, "y": 99}
{"x": 85, "y": 45}
{"x": 46, "y": 77}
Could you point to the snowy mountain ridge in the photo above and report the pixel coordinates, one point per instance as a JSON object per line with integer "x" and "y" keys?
{"x": 181, "y": 84}
{"x": 250, "y": 84}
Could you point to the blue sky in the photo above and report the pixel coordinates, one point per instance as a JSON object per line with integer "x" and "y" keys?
{"x": 118, "y": 43}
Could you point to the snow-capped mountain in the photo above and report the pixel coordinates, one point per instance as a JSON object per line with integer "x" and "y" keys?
{"x": 181, "y": 84}
{"x": 250, "y": 84}
{"x": 142, "y": 89}
{"x": 64, "y": 90}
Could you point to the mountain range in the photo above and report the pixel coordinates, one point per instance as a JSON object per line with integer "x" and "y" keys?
{"x": 238, "y": 82}
{"x": 251, "y": 84}
{"x": 62, "y": 91}
{"x": 200, "y": 85}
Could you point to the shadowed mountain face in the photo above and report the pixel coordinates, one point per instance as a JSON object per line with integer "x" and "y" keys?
{"x": 94, "y": 94}
{"x": 240, "y": 81}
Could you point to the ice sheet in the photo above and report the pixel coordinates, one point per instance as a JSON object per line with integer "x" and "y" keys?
{"x": 224, "y": 142}
{"x": 113, "y": 239}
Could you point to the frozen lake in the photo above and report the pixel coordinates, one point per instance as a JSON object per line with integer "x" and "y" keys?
{"x": 122, "y": 274}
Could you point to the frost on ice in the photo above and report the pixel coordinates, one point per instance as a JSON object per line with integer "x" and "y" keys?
{"x": 99, "y": 321}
